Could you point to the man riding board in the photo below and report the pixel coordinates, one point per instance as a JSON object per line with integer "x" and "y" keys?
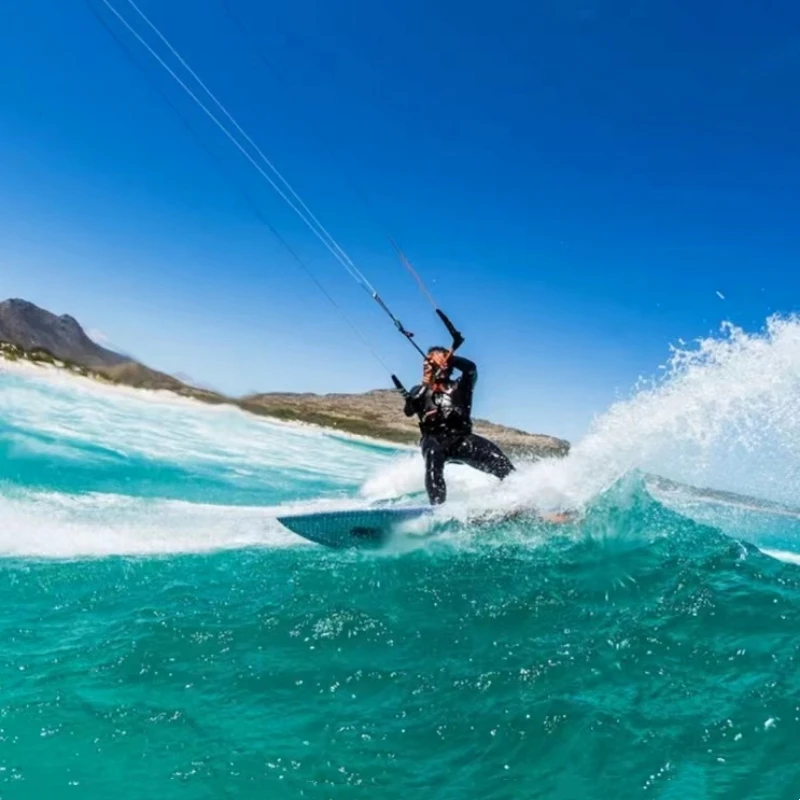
{"x": 444, "y": 408}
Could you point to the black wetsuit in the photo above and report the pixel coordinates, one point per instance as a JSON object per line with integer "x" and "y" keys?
{"x": 445, "y": 414}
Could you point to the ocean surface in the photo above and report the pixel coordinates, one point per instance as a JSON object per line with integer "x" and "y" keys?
{"x": 164, "y": 637}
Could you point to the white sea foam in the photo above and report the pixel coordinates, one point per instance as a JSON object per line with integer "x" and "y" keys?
{"x": 64, "y": 526}
{"x": 60, "y": 525}
{"x": 725, "y": 415}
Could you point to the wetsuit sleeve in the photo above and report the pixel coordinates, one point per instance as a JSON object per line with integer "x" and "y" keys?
{"x": 468, "y": 369}
{"x": 466, "y": 383}
{"x": 413, "y": 401}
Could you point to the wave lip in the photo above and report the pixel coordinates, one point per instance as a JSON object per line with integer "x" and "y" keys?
{"x": 53, "y": 525}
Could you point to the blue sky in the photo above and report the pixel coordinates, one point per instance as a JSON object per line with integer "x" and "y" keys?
{"x": 576, "y": 181}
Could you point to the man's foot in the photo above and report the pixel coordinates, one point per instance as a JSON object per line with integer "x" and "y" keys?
{"x": 560, "y": 518}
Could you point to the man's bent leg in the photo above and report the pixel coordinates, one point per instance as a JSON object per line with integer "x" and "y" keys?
{"x": 480, "y": 453}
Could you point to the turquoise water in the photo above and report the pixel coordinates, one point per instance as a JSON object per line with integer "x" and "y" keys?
{"x": 164, "y": 637}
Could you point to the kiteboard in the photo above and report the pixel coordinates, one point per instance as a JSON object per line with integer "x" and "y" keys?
{"x": 373, "y": 527}
{"x": 359, "y": 527}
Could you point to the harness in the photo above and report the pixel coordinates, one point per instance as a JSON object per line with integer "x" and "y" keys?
{"x": 439, "y": 404}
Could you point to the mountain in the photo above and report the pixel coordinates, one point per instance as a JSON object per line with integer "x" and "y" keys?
{"x": 30, "y": 327}
{"x": 33, "y": 334}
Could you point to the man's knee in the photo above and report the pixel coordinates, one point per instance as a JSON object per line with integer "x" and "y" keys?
{"x": 490, "y": 458}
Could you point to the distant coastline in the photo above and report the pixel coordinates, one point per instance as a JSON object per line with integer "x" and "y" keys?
{"x": 375, "y": 416}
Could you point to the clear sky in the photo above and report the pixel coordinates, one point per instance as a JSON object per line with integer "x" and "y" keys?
{"x": 576, "y": 181}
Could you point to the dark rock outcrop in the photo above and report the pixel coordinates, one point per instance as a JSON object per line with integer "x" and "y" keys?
{"x": 30, "y": 327}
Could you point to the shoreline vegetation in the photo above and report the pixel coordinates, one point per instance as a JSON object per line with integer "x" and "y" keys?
{"x": 375, "y": 415}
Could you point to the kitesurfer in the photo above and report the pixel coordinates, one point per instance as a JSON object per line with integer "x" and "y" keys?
{"x": 444, "y": 408}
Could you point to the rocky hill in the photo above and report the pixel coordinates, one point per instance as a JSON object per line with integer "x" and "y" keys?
{"x": 30, "y": 327}
{"x": 380, "y": 413}
{"x": 30, "y": 333}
